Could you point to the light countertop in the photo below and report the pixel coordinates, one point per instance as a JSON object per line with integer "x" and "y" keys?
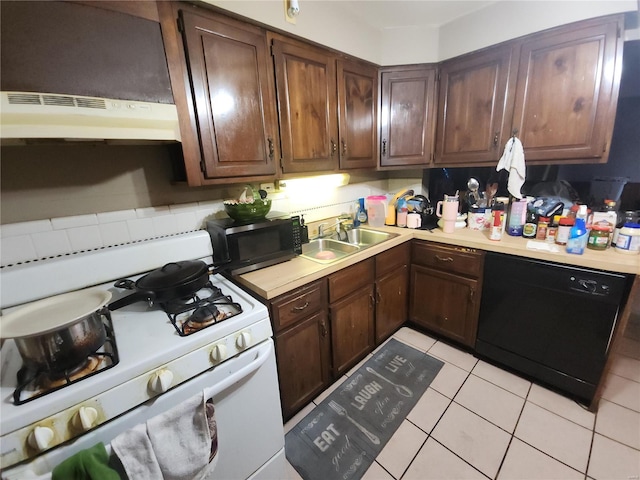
{"x": 273, "y": 281}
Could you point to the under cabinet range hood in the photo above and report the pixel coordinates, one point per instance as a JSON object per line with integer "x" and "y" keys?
{"x": 27, "y": 117}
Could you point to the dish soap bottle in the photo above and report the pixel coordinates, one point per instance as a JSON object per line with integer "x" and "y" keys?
{"x": 578, "y": 236}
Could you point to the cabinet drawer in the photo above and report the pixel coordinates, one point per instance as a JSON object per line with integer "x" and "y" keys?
{"x": 460, "y": 260}
{"x": 350, "y": 279}
{"x": 392, "y": 259}
{"x": 294, "y": 306}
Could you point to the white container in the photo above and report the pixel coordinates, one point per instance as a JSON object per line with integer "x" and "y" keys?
{"x": 628, "y": 240}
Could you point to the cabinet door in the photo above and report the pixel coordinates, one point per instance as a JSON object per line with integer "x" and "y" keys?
{"x": 473, "y": 107}
{"x": 357, "y": 114}
{"x": 392, "y": 302}
{"x": 407, "y": 117}
{"x": 233, "y": 96}
{"x": 303, "y": 355}
{"x": 307, "y": 105}
{"x": 444, "y": 303}
{"x": 567, "y": 92}
{"x": 352, "y": 328}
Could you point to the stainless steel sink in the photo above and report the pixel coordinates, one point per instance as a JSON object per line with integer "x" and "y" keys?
{"x": 365, "y": 238}
{"x": 327, "y": 250}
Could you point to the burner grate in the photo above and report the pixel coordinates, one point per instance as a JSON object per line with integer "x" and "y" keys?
{"x": 37, "y": 382}
{"x": 205, "y": 308}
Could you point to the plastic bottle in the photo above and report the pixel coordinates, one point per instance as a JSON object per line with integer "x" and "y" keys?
{"x": 578, "y": 236}
{"x": 564, "y": 228}
{"x": 530, "y": 225}
{"x": 497, "y": 221}
{"x": 402, "y": 211}
{"x": 517, "y": 217}
{"x": 376, "y": 210}
{"x": 362, "y": 213}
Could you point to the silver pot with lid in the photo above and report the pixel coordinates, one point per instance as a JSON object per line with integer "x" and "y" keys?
{"x": 60, "y": 332}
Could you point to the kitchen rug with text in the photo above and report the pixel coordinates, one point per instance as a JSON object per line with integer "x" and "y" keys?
{"x": 342, "y": 436}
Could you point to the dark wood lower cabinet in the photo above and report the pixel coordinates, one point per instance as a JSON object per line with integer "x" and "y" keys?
{"x": 352, "y": 328}
{"x": 392, "y": 292}
{"x": 303, "y": 357}
{"x": 446, "y": 283}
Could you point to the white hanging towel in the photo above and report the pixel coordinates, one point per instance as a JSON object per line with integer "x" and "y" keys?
{"x": 512, "y": 160}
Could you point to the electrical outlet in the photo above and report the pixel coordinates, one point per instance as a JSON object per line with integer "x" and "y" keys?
{"x": 268, "y": 187}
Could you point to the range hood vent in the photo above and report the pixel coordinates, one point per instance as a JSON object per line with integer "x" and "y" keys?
{"x": 32, "y": 117}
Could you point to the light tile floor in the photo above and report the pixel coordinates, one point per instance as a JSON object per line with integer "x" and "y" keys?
{"x": 478, "y": 421}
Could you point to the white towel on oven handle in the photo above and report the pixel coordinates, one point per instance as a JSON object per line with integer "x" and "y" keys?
{"x": 177, "y": 444}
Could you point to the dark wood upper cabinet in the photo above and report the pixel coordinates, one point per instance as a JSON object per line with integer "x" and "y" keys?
{"x": 233, "y": 96}
{"x": 557, "y": 90}
{"x": 407, "y": 116}
{"x": 357, "y": 114}
{"x": 306, "y": 85}
{"x": 567, "y": 91}
{"x": 473, "y": 111}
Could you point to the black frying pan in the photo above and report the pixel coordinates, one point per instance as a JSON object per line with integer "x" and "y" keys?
{"x": 173, "y": 281}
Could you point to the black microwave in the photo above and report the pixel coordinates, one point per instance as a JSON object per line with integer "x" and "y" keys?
{"x": 241, "y": 248}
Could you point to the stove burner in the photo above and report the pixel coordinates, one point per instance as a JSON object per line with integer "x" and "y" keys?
{"x": 206, "y": 307}
{"x": 34, "y": 382}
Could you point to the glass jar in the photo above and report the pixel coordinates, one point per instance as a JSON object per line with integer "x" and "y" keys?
{"x": 598, "y": 237}
{"x": 543, "y": 224}
{"x": 564, "y": 227}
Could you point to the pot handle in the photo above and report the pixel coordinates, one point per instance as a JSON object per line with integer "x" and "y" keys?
{"x": 125, "y": 283}
{"x": 134, "y": 297}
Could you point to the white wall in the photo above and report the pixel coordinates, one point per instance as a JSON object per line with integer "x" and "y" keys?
{"x": 323, "y": 21}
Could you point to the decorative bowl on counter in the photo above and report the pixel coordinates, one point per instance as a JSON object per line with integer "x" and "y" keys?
{"x": 246, "y": 212}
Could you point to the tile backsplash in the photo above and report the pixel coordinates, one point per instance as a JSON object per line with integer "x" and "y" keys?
{"x": 40, "y": 239}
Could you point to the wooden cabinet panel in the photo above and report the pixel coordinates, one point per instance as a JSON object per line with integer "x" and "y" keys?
{"x": 452, "y": 259}
{"x": 407, "y": 117}
{"x": 233, "y": 97}
{"x": 293, "y": 307}
{"x": 393, "y": 258}
{"x": 473, "y": 107}
{"x": 445, "y": 303}
{"x": 567, "y": 84}
{"x": 352, "y": 328}
{"x": 357, "y": 114}
{"x": 306, "y": 85}
{"x": 392, "y": 301}
{"x": 303, "y": 357}
{"x": 350, "y": 279}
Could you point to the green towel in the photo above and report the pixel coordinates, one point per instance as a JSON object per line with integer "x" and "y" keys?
{"x": 89, "y": 464}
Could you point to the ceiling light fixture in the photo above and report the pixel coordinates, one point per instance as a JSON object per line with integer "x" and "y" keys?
{"x": 292, "y": 10}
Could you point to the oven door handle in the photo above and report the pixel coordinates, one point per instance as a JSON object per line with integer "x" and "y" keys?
{"x": 263, "y": 355}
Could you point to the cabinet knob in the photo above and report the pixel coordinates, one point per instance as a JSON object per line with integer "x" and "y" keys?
{"x": 334, "y": 148}
{"x": 85, "y": 418}
{"x": 41, "y": 438}
{"x": 344, "y": 147}
{"x": 323, "y": 328}
{"x": 161, "y": 381}
{"x": 495, "y": 139}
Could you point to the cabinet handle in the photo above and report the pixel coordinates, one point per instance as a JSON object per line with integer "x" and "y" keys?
{"x": 334, "y": 148}
{"x": 372, "y": 301}
{"x": 444, "y": 259}
{"x": 472, "y": 293}
{"x": 323, "y": 326}
{"x": 344, "y": 147}
{"x": 378, "y": 298}
{"x": 301, "y": 307}
{"x": 271, "y": 149}
{"x": 384, "y": 148}
{"x": 495, "y": 139}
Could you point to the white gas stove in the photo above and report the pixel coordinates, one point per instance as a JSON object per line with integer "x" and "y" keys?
{"x": 156, "y": 363}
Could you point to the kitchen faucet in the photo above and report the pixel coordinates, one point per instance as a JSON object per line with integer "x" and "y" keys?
{"x": 339, "y": 232}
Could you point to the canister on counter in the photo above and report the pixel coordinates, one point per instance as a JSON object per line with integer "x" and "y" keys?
{"x": 629, "y": 239}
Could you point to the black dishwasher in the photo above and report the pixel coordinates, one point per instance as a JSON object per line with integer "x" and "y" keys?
{"x": 551, "y": 322}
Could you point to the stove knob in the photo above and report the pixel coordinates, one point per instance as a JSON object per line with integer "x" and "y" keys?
{"x": 243, "y": 340}
{"x": 219, "y": 352}
{"x": 161, "y": 381}
{"x": 85, "y": 418}
{"x": 41, "y": 438}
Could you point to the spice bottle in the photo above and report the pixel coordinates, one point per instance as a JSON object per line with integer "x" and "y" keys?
{"x": 543, "y": 224}
{"x": 564, "y": 227}
{"x": 530, "y": 225}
